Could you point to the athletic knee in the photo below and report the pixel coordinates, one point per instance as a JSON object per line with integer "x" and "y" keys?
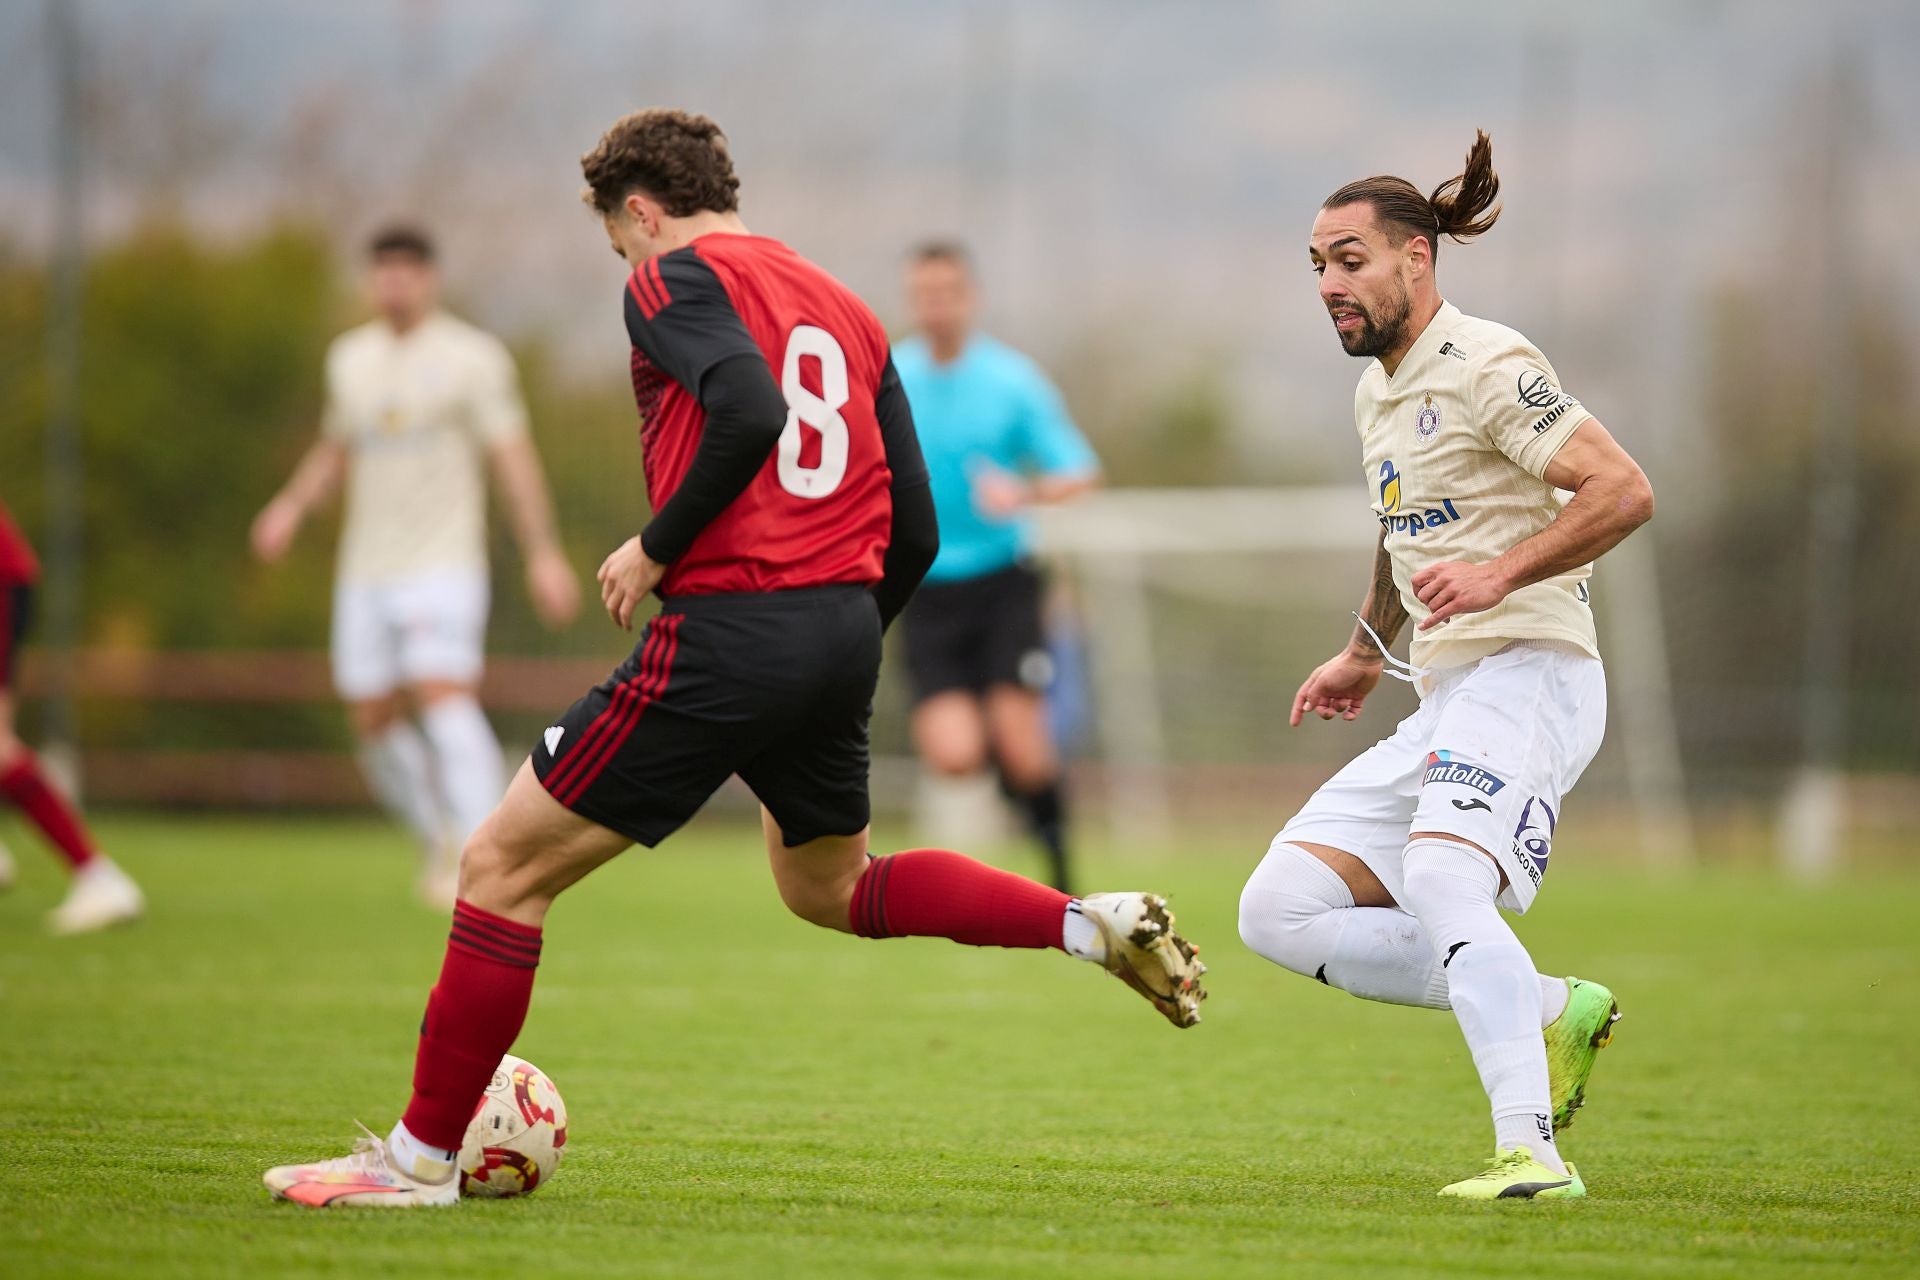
{"x": 497, "y": 876}
{"x": 1028, "y": 771}
{"x": 12, "y": 750}
{"x": 1285, "y": 896}
{"x": 372, "y": 717}
{"x": 954, "y": 759}
{"x": 826, "y": 905}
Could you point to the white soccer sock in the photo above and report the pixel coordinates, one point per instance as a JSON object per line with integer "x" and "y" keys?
{"x": 1493, "y": 986}
{"x": 398, "y": 769}
{"x": 1081, "y": 937}
{"x": 466, "y": 760}
{"x": 416, "y": 1159}
{"x": 1297, "y": 912}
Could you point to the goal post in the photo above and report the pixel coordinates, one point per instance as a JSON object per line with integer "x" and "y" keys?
{"x": 1203, "y": 608}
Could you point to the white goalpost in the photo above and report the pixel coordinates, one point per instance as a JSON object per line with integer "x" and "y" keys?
{"x": 1262, "y": 561}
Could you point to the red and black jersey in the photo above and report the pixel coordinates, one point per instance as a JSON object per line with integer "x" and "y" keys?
{"x": 818, "y": 510}
{"x": 18, "y": 565}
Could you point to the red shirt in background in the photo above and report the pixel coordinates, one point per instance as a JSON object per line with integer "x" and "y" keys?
{"x": 18, "y": 565}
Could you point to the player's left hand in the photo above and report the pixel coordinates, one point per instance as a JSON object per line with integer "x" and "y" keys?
{"x": 1454, "y": 587}
{"x": 626, "y": 577}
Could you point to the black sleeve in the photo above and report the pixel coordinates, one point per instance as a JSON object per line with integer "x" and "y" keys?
{"x": 915, "y": 536}
{"x": 680, "y": 317}
{"x": 745, "y": 415}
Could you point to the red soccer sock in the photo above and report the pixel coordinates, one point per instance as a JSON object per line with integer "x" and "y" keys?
{"x": 24, "y": 784}
{"x": 473, "y": 1017}
{"x": 935, "y": 893}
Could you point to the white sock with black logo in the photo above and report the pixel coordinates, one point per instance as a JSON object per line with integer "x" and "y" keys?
{"x": 1493, "y": 986}
{"x": 467, "y": 761}
{"x": 1297, "y": 912}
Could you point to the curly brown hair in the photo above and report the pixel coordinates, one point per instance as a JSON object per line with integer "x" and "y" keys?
{"x": 677, "y": 157}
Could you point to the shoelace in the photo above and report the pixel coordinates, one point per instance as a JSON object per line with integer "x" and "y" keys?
{"x": 1397, "y": 669}
{"x": 1505, "y": 1160}
{"x": 369, "y": 1153}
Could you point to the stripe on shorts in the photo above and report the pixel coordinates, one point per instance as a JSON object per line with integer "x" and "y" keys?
{"x": 563, "y": 774}
{"x": 653, "y": 684}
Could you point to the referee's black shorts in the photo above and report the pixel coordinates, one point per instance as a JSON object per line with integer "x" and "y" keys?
{"x": 975, "y": 633}
{"x": 776, "y": 687}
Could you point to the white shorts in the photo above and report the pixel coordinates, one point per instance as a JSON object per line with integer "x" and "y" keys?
{"x": 1494, "y": 747}
{"x": 427, "y": 626}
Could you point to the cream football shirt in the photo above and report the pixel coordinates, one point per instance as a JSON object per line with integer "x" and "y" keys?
{"x": 417, "y": 412}
{"x": 1456, "y": 443}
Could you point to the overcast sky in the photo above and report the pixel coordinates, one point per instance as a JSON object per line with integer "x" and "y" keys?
{"x": 1137, "y": 177}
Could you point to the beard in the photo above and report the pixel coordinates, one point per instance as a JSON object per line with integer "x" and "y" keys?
{"x": 1380, "y": 330}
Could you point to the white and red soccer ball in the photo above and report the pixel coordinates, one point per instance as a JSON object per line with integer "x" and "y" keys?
{"x": 514, "y": 1141}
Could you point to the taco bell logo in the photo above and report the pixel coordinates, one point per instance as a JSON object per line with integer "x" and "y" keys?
{"x": 1533, "y": 838}
{"x": 1442, "y": 767}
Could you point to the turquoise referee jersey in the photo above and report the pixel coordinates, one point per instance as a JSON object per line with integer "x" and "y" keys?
{"x": 990, "y": 407}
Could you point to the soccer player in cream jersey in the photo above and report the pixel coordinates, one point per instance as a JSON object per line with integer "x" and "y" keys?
{"x": 1495, "y": 492}
{"x": 418, "y": 402}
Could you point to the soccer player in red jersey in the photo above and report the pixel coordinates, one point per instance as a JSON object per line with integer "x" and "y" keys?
{"x": 101, "y": 893}
{"x": 791, "y": 524}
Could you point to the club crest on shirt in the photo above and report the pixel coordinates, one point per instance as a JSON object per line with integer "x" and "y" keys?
{"x": 1427, "y": 425}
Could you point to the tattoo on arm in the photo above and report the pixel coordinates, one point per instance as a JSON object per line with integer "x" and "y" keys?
{"x": 1383, "y": 609}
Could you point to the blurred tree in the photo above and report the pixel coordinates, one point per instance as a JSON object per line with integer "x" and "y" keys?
{"x": 1737, "y": 576}
{"x": 200, "y": 369}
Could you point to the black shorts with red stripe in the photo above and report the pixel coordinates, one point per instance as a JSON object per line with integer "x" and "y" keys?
{"x": 776, "y": 687}
{"x": 16, "y": 607}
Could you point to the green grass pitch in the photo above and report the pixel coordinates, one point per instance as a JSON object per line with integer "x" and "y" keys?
{"x": 753, "y": 1097}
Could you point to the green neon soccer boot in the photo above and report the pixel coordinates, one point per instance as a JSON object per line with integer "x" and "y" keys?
{"x": 1516, "y": 1175}
{"x": 1576, "y": 1037}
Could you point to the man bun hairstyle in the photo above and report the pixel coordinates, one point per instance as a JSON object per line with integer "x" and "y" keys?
{"x": 1461, "y": 207}
{"x": 677, "y": 157}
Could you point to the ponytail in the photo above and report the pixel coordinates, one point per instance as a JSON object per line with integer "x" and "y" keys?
{"x": 1461, "y": 207}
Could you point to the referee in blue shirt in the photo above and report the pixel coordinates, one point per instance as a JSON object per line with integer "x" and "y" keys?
{"x": 997, "y": 440}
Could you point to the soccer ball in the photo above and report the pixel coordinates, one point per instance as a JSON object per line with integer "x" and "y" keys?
{"x": 513, "y": 1142}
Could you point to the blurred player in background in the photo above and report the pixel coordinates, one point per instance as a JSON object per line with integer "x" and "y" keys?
{"x": 419, "y": 403}
{"x": 101, "y": 893}
{"x": 1389, "y": 883}
{"x": 791, "y": 523}
{"x": 998, "y": 441}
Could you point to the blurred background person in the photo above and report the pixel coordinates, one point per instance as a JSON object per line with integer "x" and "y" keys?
{"x": 101, "y": 894}
{"x": 418, "y": 404}
{"x": 998, "y": 440}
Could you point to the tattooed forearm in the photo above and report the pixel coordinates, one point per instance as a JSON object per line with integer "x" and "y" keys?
{"x": 1383, "y": 610}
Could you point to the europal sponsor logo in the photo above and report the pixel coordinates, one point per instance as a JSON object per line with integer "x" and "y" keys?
{"x": 1442, "y": 767}
{"x": 1411, "y": 523}
{"x": 1533, "y": 838}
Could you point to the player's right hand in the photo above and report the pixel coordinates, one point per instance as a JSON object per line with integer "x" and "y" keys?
{"x": 1337, "y": 687}
{"x": 273, "y": 530}
{"x": 626, "y": 577}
